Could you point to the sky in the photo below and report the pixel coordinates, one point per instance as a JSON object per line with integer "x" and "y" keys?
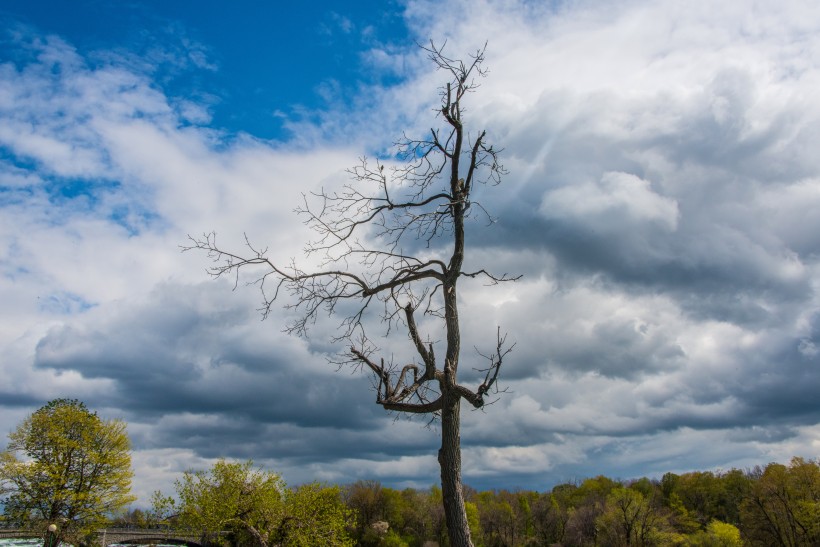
{"x": 661, "y": 207}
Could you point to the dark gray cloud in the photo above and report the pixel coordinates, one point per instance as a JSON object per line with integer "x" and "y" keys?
{"x": 186, "y": 349}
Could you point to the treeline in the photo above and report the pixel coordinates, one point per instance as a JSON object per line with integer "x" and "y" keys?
{"x": 775, "y": 505}
{"x": 66, "y": 470}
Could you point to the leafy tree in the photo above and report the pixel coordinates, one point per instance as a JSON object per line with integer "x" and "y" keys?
{"x": 736, "y": 487}
{"x": 669, "y": 484}
{"x": 423, "y": 515}
{"x": 368, "y": 243}
{"x": 630, "y": 519}
{"x": 435, "y": 515}
{"x": 257, "y": 508}
{"x": 315, "y": 515}
{"x": 549, "y": 518}
{"x": 680, "y": 517}
{"x": 162, "y": 511}
{"x": 711, "y": 496}
{"x": 65, "y": 465}
{"x": 783, "y": 507}
{"x": 393, "y": 539}
{"x": 717, "y": 534}
{"x": 367, "y": 500}
{"x": 473, "y": 518}
{"x": 133, "y": 518}
{"x": 396, "y": 509}
{"x": 645, "y": 486}
{"x": 497, "y": 518}
{"x": 231, "y": 497}
{"x": 582, "y": 524}
{"x": 372, "y": 503}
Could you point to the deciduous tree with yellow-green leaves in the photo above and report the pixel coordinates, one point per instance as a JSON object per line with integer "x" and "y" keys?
{"x": 65, "y": 465}
{"x": 235, "y": 504}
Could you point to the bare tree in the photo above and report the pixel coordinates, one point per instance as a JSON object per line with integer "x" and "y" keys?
{"x": 393, "y": 239}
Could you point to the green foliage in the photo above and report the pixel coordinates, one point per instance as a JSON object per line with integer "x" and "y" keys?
{"x": 133, "y": 518}
{"x": 725, "y": 534}
{"x": 393, "y": 539}
{"x": 257, "y": 508}
{"x": 315, "y": 515}
{"x": 717, "y": 534}
{"x": 75, "y": 471}
{"x": 498, "y": 518}
{"x": 369, "y": 502}
{"x": 678, "y": 510}
{"x": 681, "y": 517}
{"x": 631, "y": 519}
{"x": 709, "y": 496}
{"x": 549, "y": 517}
{"x": 473, "y": 519}
{"x": 231, "y": 496}
{"x": 162, "y": 509}
{"x": 783, "y": 506}
{"x": 423, "y": 517}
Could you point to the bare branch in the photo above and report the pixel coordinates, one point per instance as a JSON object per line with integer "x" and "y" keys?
{"x": 496, "y": 361}
{"x": 494, "y": 279}
{"x": 392, "y": 241}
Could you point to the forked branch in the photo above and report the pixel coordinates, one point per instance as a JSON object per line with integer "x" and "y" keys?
{"x": 367, "y": 251}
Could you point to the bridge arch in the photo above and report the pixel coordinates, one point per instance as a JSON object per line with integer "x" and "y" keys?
{"x": 137, "y": 536}
{"x": 154, "y": 541}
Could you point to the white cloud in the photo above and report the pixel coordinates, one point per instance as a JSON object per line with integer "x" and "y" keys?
{"x": 616, "y": 198}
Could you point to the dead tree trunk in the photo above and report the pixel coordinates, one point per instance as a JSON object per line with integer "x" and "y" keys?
{"x": 449, "y": 459}
{"x": 426, "y": 198}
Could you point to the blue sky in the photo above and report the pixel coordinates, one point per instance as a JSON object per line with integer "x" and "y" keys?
{"x": 660, "y": 205}
{"x": 252, "y": 62}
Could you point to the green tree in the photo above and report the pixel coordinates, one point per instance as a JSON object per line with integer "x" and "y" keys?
{"x": 630, "y": 519}
{"x": 474, "y": 518}
{"x": 257, "y": 508}
{"x": 497, "y": 519}
{"x": 396, "y": 509}
{"x": 163, "y": 510}
{"x": 709, "y": 496}
{"x": 368, "y": 245}
{"x": 783, "y": 506}
{"x": 231, "y": 497}
{"x": 65, "y": 465}
{"x": 549, "y": 517}
{"x": 393, "y": 539}
{"x": 315, "y": 515}
{"x": 423, "y": 516}
{"x": 717, "y": 534}
{"x": 367, "y": 500}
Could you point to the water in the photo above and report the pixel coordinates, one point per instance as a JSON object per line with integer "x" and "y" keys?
{"x": 38, "y": 542}
{"x": 31, "y": 542}
{"x": 11, "y": 542}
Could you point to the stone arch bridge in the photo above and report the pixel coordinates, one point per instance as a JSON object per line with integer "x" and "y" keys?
{"x": 114, "y": 536}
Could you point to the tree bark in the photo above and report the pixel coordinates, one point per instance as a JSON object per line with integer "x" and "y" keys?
{"x": 449, "y": 459}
